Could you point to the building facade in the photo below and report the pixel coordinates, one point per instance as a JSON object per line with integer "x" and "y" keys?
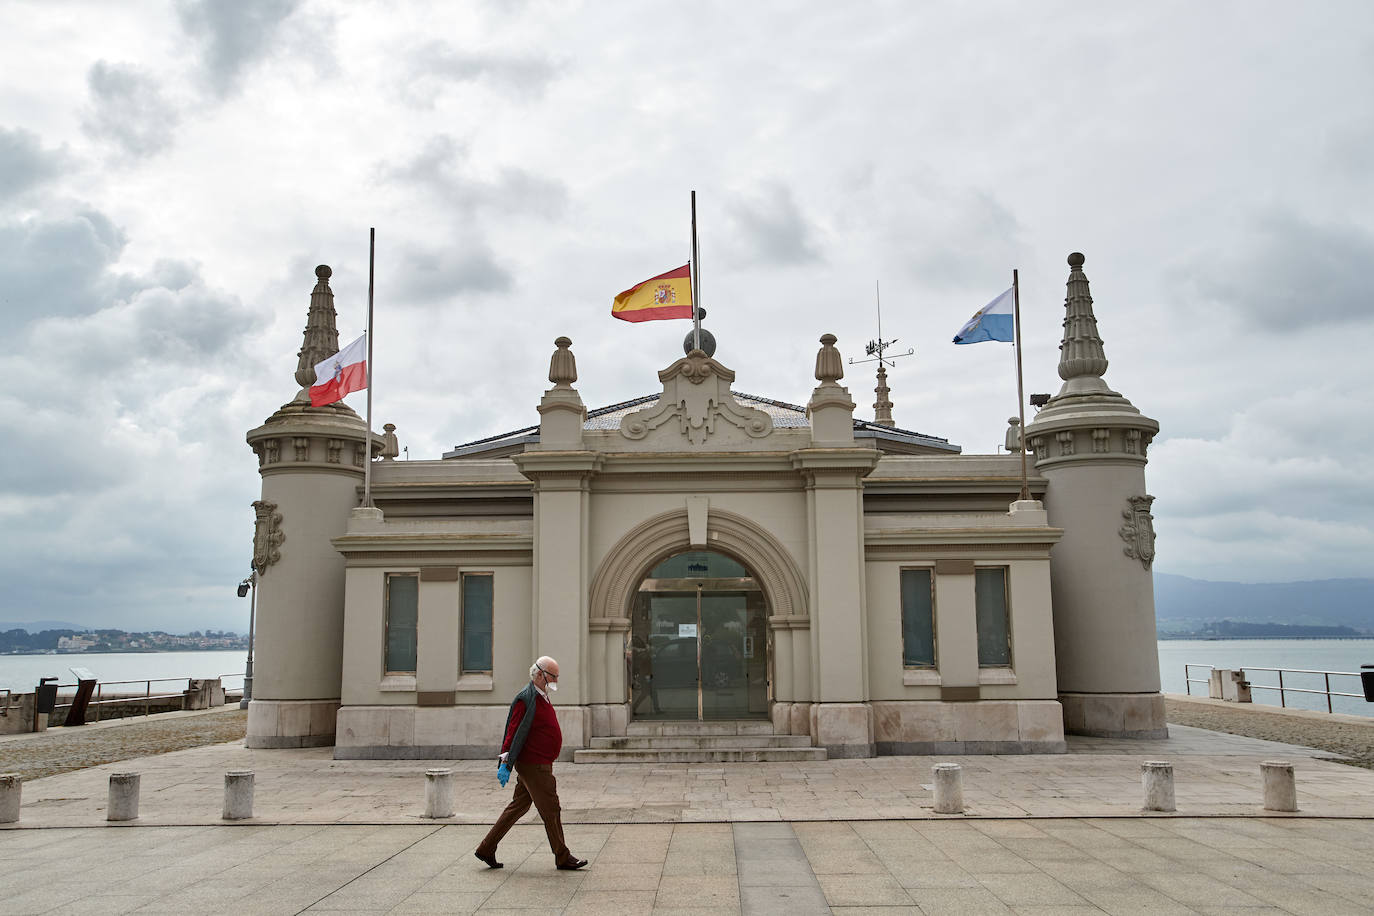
{"x": 701, "y": 554}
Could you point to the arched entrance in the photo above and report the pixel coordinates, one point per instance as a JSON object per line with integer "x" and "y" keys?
{"x": 698, "y": 640}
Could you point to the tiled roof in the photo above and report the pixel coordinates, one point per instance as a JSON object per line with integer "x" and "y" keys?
{"x": 785, "y": 416}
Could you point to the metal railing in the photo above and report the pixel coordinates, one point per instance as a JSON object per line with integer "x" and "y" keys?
{"x": 1283, "y": 690}
{"x": 129, "y": 698}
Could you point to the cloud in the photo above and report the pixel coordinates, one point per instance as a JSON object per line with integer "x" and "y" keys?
{"x": 443, "y": 169}
{"x": 770, "y": 228}
{"x": 128, "y": 110}
{"x": 431, "y": 274}
{"x": 25, "y": 164}
{"x": 234, "y": 35}
{"x": 1286, "y": 272}
{"x": 56, "y": 264}
{"x": 436, "y": 67}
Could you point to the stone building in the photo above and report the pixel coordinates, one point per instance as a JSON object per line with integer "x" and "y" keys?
{"x": 703, "y": 560}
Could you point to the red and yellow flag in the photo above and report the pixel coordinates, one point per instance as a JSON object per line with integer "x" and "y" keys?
{"x": 669, "y": 295}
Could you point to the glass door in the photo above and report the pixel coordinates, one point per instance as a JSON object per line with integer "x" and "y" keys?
{"x": 698, "y": 645}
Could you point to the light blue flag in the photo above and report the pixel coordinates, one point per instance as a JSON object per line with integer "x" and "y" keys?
{"x": 991, "y": 322}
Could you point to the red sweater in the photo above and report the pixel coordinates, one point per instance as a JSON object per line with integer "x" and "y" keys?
{"x": 545, "y": 739}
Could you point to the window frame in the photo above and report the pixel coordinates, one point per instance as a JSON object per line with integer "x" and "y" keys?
{"x": 1010, "y": 663}
{"x": 387, "y": 671}
{"x": 934, "y": 664}
{"x": 462, "y": 622}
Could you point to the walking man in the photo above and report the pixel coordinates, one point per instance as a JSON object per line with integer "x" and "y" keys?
{"x": 532, "y": 742}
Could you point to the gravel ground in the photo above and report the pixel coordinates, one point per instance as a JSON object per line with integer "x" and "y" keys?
{"x": 1347, "y": 739}
{"x": 59, "y": 750}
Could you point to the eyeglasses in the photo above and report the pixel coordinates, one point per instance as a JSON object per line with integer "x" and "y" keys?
{"x": 552, "y": 677}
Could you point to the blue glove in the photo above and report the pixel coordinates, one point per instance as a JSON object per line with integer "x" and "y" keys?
{"x": 503, "y": 773}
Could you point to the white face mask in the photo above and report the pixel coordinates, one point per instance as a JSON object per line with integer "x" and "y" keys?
{"x": 553, "y": 686}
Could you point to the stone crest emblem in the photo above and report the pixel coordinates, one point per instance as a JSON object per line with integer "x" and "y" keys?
{"x": 267, "y": 535}
{"x": 1139, "y": 530}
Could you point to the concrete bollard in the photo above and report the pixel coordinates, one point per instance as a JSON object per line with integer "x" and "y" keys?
{"x": 1157, "y": 778}
{"x": 1280, "y": 789}
{"x": 123, "y": 804}
{"x": 439, "y": 793}
{"x": 238, "y": 795}
{"x": 11, "y": 792}
{"x": 949, "y": 788}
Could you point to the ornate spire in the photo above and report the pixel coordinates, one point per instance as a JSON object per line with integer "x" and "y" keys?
{"x": 1082, "y": 361}
{"x": 321, "y": 335}
{"x": 882, "y": 408}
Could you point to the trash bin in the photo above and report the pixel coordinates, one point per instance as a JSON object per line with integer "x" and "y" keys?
{"x": 1367, "y": 679}
{"x": 45, "y": 695}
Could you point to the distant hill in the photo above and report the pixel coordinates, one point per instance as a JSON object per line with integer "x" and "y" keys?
{"x": 1323, "y": 602}
{"x": 38, "y": 626}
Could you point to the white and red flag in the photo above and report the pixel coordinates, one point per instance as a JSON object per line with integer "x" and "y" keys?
{"x": 344, "y": 372}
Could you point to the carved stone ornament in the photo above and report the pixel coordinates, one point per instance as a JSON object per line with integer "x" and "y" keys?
{"x": 1101, "y": 440}
{"x": 562, "y": 365}
{"x": 335, "y": 446}
{"x": 302, "y": 445}
{"x": 267, "y": 535}
{"x": 696, "y": 394}
{"x": 1139, "y": 530}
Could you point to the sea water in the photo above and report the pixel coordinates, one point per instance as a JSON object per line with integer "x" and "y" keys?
{"x": 1345, "y": 655}
{"x": 21, "y": 672}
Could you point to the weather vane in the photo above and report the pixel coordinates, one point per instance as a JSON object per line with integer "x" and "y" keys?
{"x": 877, "y": 349}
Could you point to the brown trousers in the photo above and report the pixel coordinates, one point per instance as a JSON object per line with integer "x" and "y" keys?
{"x": 534, "y": 785}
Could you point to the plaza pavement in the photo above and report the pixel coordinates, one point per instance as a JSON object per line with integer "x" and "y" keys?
{"x": 1041, "y": 834}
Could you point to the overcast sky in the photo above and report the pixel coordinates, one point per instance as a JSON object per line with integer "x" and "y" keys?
{"x": 171, "y": 173}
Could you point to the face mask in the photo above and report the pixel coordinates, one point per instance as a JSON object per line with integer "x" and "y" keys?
{"x": 553, "y": 686}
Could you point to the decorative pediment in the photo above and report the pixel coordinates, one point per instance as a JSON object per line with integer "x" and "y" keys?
{"x": 696, "y": 405}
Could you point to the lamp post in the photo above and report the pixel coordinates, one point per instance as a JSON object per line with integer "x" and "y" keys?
{"x": 246, "y": 587}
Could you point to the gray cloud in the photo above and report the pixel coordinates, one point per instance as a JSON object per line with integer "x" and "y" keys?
{"x": 442, "y": 169}
{"x": 437, "y": 66}
{"x": 1287, "y": 272}
{"x": 24, "y": 164}
{"x": 128, "y": 110}
{"x": 770, "y": 228}
{"x": 56, "y": 265}
{"x": 431, "y": 274}
{"x": 234, "y": 35}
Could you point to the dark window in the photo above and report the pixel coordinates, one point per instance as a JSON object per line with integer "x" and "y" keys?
{"x": 918, "y": 619}
{"x": 994, "y": 626}
{"x": 402, "y": 614}
{"x": 476, "y": 636}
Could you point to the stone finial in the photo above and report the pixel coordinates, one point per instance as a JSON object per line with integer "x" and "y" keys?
{"x": 829, "y": 365}
{"x": 391, "y": 446}
{"x": 1013, "y": 441}
{"x": 321, "y": 335}
{"x": 882, "y": 408}
{"x": 1081, "y": 355}
{"x": 562, "y": 365}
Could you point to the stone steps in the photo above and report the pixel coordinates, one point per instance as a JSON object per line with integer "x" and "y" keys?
{"x": 743, "y": 741}
{"x": 702, "y": 755}
{"x": 698, "y": 742}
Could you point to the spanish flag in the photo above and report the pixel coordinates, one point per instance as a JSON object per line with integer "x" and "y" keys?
{"x": 668, "y": 295}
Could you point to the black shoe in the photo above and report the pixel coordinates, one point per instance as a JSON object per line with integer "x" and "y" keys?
{"x": 491, "y": 860}
{"x": 573, "y": 864}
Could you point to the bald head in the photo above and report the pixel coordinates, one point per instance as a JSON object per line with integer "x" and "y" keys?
{"x": 544, "y": 673}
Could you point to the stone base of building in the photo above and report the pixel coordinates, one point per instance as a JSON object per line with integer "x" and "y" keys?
{"x": 443, "y": 732}
{"x": 1114, "y": 715}
{"x": 291, "y": 723}
{"x": 926, "y": 727}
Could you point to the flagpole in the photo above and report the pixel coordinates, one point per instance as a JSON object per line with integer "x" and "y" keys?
{"x": 696, "y": 280}
{"x": 1020, "y": 389}
{"x": 367, "y": 452}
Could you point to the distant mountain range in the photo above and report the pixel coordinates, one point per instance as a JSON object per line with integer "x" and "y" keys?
{"x": 1323, "y": 602}
{"x": 38, "y": 626}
